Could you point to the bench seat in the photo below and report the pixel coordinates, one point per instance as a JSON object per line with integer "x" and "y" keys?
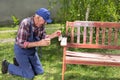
{"x": 73, "y": 57}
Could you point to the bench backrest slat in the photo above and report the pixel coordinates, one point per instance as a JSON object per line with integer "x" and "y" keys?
{"x": 104, "y": 34}
{"x": 109, "y": 36}
{"x": 97, "y": 35}
{"x": 91, "y": 35}
{"x": 78, "y": 34}
{"x": 116, "y": 36}
{"x": 84, "y": 35}
{"x": 72, "y": 34}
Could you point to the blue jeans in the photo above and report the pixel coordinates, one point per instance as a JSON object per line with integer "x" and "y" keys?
{"x": 29, "y": 65}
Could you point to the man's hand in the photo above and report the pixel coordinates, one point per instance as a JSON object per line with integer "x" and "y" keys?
{"x": 58, "y": 32}
{"x": 55, "y": 34}
{"x": 44, "y": 42}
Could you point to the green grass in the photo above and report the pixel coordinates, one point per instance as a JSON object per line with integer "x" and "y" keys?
{"x": 3, "y": 28}
{"x": 52, "y": 64}
{"x": 7, "y": 35}
{"x": 50, "y": 28}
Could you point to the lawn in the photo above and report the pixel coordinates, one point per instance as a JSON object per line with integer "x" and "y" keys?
{"x": 52, "y": 62}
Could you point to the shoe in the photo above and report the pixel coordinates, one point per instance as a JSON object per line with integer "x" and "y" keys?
{"x": 15, "y": 62}
{"x": 5, "y": 65}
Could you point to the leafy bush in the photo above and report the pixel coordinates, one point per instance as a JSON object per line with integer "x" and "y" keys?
{"x": 15, "y": 20}
{"x": 91, "y": 10}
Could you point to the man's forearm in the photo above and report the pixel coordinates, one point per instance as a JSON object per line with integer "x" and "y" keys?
{"x": 52, "y": 36}
{"x": 32, "y": 44}
{"x": 43, "y": 42}
{"x": 55, "y": 34}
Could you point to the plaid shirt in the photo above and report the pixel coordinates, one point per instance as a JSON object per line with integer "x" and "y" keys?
{"x": 23, "y": 32}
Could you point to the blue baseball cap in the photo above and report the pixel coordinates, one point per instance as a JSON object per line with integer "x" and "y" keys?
{"x": 45, "y": 14}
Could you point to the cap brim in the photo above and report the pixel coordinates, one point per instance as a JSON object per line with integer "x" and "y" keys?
{"x": 49, "y": 21}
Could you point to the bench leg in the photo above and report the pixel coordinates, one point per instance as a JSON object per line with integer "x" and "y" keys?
{"x": 64, "y": 67}
{"x": 63, "y": 70}
{"x": 64, "y": 64}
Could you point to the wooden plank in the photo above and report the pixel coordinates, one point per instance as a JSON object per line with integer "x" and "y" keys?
{"x": 78, "y": 34}
{"x": 116, "y": 36}
{"x": 95, "y": 59}
{"x": 83, "y": 23}
{"x": 94, "y": 46}
{"x": 89, "y": 61}
{"x": 70, "y": 24}
{"x": 92, "y": 58}
{"x": 97, "y": 35}
{"x": 97, "y": 24}
{"x": 91, "y": 35}
{"x": 93, "y": 55}
{"x": 67, "y": 26}
{"x": 109, "y": 36}
{"x": 103, "y": 36}
{"x": 72, "y": 34}
{"x": 107, "y": 24}
{"x": 64, "y": 63}
{"x": 84, "y": 35}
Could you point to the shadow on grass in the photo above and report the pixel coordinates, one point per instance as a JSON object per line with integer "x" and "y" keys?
{"x": 77, "y": 76}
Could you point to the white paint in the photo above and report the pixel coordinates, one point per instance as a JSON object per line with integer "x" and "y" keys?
{"x": 63, "y": 41}
{"x": 83, "y": 23}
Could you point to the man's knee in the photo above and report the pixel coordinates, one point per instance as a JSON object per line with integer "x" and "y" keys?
{"x": 29, "y": 74}
{"x": 40, "y": 72}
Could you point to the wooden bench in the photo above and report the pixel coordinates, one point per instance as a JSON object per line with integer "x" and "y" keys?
{"x": 91, "y": 35}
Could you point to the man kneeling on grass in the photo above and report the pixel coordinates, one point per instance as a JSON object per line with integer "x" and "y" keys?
{"x": 31, "y": 34}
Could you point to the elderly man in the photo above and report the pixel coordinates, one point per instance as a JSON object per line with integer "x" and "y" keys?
{"x": 31, "y": 34}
